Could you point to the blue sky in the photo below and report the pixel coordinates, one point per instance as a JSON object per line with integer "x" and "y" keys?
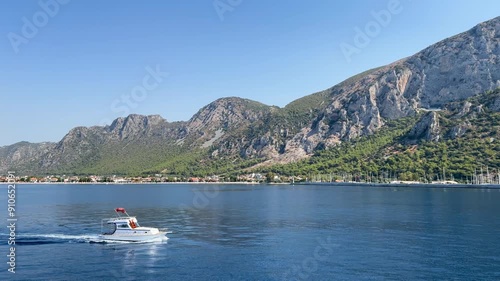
{"x": 88, "y": 62}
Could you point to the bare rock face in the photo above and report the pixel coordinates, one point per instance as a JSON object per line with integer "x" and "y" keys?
{"x": 135, "y": 126}
{"x": 427, "y": 128}
{"x": 22, "y": 156}
{"x": 227, "y": 113}
{"x": 230, "y": 126}
{"x": 458, "y": 67}
{"x": 451, "y": 70}
{"x": 459, "y": 130}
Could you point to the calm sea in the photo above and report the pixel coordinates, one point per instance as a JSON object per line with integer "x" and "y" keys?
{"x": 257, "y": 232}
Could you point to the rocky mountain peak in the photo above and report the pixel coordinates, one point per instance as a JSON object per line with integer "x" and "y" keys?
{"x": 227, "y": 113}
{"x": 135, "y": 125}
{"x": 488, "y": 28}
{"x": 454, "y": 69}
{"x": 134, "y": 120}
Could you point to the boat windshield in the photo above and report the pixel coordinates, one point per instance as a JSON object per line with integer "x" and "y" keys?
{"x": 109, "y": 229}
{"x": 122, "y": 225}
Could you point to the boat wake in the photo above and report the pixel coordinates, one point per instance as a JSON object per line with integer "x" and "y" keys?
{"x": 42, "y": 239}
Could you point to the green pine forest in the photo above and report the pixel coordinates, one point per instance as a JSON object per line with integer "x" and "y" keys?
{"x": 389, "y": 153}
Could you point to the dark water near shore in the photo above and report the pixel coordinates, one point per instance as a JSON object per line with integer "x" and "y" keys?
{"x": 246, "y": 232}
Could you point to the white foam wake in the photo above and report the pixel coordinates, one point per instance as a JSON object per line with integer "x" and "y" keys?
{"x": 84, "y": 238}
{"x": 57, "y": 236}
{"x": 88, "y": 238}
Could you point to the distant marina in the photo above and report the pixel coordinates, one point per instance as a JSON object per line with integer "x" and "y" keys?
{"x": 405, "y": 184}
{"x": 477, "y": 181}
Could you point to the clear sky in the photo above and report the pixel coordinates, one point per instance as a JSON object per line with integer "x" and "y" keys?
{"x": 85, "y": 63}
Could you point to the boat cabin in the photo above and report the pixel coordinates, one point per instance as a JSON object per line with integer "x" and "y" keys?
{"x": 120, "y": 222}
{"x": 126, "y": 228}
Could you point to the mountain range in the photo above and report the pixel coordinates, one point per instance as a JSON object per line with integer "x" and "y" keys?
{"x": 233, "y": 134}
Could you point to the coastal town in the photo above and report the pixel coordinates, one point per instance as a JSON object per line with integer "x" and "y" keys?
{"x": 482, "y": 178}
{"x": 157, "y": 178}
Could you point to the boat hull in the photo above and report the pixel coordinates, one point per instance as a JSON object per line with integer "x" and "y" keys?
{"x": 133, "y": 237}
{"x": 127, "y": 229}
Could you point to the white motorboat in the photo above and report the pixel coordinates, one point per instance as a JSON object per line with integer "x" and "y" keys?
{"x": 126, "y": 228}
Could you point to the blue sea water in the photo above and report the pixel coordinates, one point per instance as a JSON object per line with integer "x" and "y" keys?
{"x": 257, "y": 232}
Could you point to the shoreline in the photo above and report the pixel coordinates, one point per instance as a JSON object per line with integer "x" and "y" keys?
{"x": 412, "y": 185}
{"x": 125, "y": 183}
{"x": 333, "y": 184}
